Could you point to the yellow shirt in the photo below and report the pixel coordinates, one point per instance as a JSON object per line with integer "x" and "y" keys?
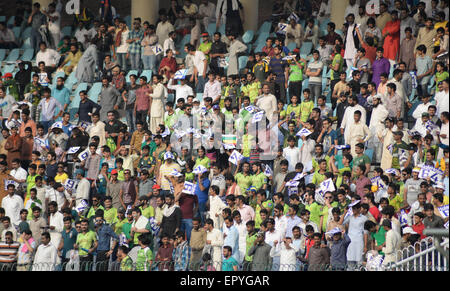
{"x": 61, "y": 178}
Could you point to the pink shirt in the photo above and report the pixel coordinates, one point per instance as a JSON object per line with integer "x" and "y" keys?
{"x": 247, "y": 213}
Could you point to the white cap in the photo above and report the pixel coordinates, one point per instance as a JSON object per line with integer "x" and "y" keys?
{"x": 409, "y": 230}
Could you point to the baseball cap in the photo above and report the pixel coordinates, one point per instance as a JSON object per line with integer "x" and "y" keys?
{"x": 114, "y": 172}
{"x": 440, "y": 186}
{"x": 156, "y": 187}
{"x": 7, "y": 75}
{"x": 195, "y": 100}
{"x": 409, "y": 230}
{"x": 216, "y": 107}
{"x": 168, "y": 155}
{"x": 205, "y": 34}
{"x": 416, "y": 169}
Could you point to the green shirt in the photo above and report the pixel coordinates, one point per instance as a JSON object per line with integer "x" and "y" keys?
{"x": 249, "y": 241}
{"x": 205, "y": 162}
{"x": 92, "y": 211}
{"x": 31, "y": 183}
{"x": 85, "y": 241}
{"x": 440, "y": 77}
{"x": 291, "y": 108}
{"x": 118, "y": 226}
{"x": 205, "y": 47}
{"x": 306, "y": 108}
{"x": 315, "y": 211}
{"x": 126, "y": 264}
{"x": 268, "y": 204}
{"x": 244, "y": 182}
{"x": 362, "y": 160}
{"x": 379, "y": 237}
{"x": 324, "y": 213}
{"x": 396, "y": 154}
{"x": 337, "y": 60}
{"x": 148, "y": 212}
{"x": 110, "y": 216}
{"x": 126, "y": 229}
{"x": 318, "y": 178}
{"x": 143, "y": 259}
{"x": 259, "y": 180}
{"x": 296, "y": 74}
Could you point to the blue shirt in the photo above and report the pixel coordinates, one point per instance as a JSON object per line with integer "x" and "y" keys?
{"x": 69, "y": 239}
{"x": 228, "y": 264}
{"x": 104, "y": 235}
{"x": 62, "y": 96}
{"x": 277, "y": 66}
{"x": 202, "y": 195}
{"x": 328, "y": 140}
{"x": 232, "y": 240}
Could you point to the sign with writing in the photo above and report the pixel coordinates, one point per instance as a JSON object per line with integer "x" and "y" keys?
{"x": 327, "y": 186}
{"x": 434, "y": 174}
{"x": 304, "y": 132}
{"x": 189, "y": 188}
{"x": 282, "y": 27}
{"x": 235, "y": 157}
{"x": 73, "y": 150}
{"x": 181, "y": 74}
{"x": 157, "y": 49}
{"x": 258, "y": 117}
{"x": 268, "y": 171}
{"x": 199, "y": 170}
{"x": 70, "y": 184}
{"x": 11, "y": 182}
{"x": 83, "y": 155}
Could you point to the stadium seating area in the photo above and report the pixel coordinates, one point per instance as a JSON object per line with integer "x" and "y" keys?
{"x": 254, "y": 40}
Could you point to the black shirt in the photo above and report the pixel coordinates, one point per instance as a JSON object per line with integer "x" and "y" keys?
{"x": 85, "y": 108}
{"x": 103, "y": 42}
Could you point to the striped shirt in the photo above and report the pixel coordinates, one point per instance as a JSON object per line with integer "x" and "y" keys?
{"x": 135, "y": 47}
{"x": 8, "y": 252}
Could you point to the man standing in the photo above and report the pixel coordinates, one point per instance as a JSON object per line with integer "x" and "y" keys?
{"x": 171, "y": 221}
{"x": 318, "y": 256}
{"x": 46, "y": 256}
{"x": 105, "y": 235}
{"x": 359, "y": 132}
{"x": 134, "y": 49}
{"x": 214, "y": 243}
{"x": 108, "y": 99}
{"x": 267, "y": 102}
{"x": 351, "y": 40}
{"x": 260, "y": 252}
{"x": 12, "y": 204}
{"x": 47, "y": 108}
{"x": 426, "y": 36}
{"x": 36, "y": 19}
{"x": 181, "y": 253}
{"x": 86, "y": 244}
{"x": 392, "y": 244}
{"x": 197, "y": 243}
{"x": 56, "y": 223}
{"x": 281, "y": 70}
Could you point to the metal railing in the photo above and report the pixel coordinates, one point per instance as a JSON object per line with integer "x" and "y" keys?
{"x": 170, "y": 266}
{"x": 424, "y": 255}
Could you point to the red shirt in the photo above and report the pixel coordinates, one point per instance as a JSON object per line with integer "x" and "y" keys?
{"x": 371, "y": 52}
{"x": 375, "y": 212}
{"x": 419, "y": 229}
{"x": 187, "y": 203}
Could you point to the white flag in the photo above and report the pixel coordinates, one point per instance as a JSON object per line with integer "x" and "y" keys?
{"x": 268, "y": 171}
{"x": 73, "y": 150}
{"x": 258, "y": 117}
{"x": 181, "y": 74}
{"x": 199, "y": 170}
{"x": 189, "y": 188}
{"x": 304, "y": 132}
{"x": 157, "y": 49}
{"x": 235, "y": 157}
{"x": 83, "y": 155}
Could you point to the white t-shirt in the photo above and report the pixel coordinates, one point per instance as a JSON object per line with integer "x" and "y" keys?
{"x": 123, "y": 47}
{"x": 19, "y": 174}
{"x": 199, "y": 57}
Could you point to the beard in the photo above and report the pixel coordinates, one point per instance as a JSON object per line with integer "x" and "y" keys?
{"x": 59, "y": 87}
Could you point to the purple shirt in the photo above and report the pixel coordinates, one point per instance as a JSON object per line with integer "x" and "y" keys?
{"x": 380, "y": 66}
